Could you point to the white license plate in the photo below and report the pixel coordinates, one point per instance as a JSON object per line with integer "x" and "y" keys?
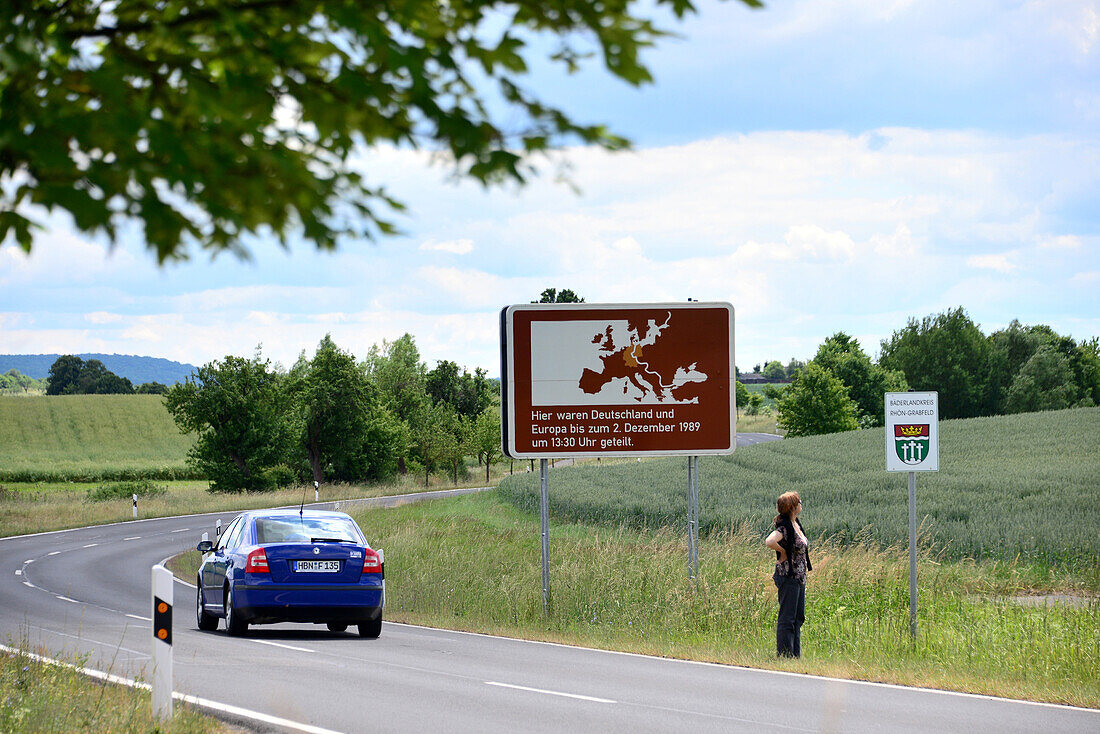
{"x": 318, "y": 566}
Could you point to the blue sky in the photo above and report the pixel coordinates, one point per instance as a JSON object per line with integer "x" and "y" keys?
{"x": 823, "y": 165}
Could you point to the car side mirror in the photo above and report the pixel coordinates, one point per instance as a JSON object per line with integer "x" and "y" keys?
{"x": 205, "y": 546}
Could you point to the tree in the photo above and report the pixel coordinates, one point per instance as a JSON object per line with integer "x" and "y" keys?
{"x": 345, "y": 434}
{"x": 773, "y": 393}
{"x": 63, "y": 376}
{"x": 774, "y": 371}
{"x": 816, "y": 402}
{"x": 756, "y": 402}
{"x": 440, "y": 438}
{"x": 793, "y": 367}
{"x": 867, "y": 382}
{"x": 151, "y": 388}
{"x": 237, "y": 408}
{"x": 467, "y": 394}
{"x": 1089, "y": 351}
{"x": 207, "y": 122}
{"x": 71, "y": 375}
{"x": 397, "y": 372}
{"x": 742, "y": 395}
{"x": 553, "y": 295}
{"x": 485, "y": 438}
{"x": 947, "y": 353}
{"x": 1045, "y": 382}
{"x": 96, "y": 379}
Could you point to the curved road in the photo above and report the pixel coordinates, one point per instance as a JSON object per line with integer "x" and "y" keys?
{"x": 86, "y": 592}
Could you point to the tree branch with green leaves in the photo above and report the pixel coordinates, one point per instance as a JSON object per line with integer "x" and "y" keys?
{"x": 208, "y": 122}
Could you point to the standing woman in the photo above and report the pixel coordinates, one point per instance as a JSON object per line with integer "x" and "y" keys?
{"x": 792, "y": 554}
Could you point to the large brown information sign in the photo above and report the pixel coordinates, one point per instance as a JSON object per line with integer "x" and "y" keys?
{"x": 617, "y": 379}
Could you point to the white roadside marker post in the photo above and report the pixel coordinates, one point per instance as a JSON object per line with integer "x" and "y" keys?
{"x": 135, "y": 506}
{"x": 162, "y": 643}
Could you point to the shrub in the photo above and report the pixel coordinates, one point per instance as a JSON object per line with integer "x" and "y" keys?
{"x": 125, "y": 490}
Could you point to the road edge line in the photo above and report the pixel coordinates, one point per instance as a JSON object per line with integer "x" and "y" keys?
{"x": 725, "y": 666}
{"x": 204, "y": 703}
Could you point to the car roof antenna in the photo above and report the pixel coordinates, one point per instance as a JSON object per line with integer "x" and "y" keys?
{"x": 302, "y": 507}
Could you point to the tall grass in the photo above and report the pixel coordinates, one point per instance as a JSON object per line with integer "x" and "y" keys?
{"x": 1010, "y": 488}
{"x": 90, "y": 438}
{"x": 474, "y": 563}
{"x": 36, "y": 696}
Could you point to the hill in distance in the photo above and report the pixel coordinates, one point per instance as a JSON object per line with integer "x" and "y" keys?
{"x": 136, "y": 369}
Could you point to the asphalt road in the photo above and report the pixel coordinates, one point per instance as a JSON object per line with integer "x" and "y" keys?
{"x": 86, "y": 592}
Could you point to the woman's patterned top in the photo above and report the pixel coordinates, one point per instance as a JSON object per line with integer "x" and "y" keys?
{"x": 801, "y": 551}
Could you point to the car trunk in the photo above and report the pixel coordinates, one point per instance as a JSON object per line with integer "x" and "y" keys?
{"x": 283, "y": 558}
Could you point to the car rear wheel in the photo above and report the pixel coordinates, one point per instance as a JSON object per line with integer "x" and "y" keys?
{"x": 234, "y": 625}
{"x": 206, "y": 622}
{"x": 371, "y": 630}
{"x": 337, "y": 627}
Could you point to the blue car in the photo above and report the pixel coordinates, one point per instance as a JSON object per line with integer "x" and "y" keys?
{"x": 291, "y": 566}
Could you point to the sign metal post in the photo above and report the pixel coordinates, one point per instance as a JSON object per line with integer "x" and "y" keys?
{"x": 544, "y": 518}
{"x": 693, "y": 518}
{"x": 912, "y": 445}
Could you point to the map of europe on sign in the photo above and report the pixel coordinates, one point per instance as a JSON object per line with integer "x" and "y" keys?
{"x": 618, "y": 362}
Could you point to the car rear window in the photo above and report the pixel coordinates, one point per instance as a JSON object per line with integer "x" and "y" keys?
{"x": 305, "y": 530}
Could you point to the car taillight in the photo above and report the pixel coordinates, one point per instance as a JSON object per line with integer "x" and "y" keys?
{"x": 257, "y": 562}
{"x": 371, "y": 562}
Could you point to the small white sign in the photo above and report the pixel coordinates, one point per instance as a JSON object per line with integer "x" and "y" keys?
{"x": 912, "y": 431}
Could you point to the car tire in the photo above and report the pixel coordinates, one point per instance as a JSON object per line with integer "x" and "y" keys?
{"x": 206, "y": 622}
{"x": 371, "y": 629}
{"x": 234, "y": 625}
{"x": 337, "y": 627}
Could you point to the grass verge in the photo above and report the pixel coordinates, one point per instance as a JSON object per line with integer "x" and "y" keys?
{"x": 36, "y": 696}
{"x": 41, "y": 508}
{"x": 472, "y": 563}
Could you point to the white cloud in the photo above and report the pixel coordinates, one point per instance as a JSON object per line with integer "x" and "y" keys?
{"x": 102, "y": 317}
{"x": 455, "y": 247}
{"x": 1089, "y": 278}
{"x": 1061, "y": 242}
{"x": 1001, "y": 263}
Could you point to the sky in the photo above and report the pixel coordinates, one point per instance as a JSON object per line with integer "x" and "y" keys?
{"x": 822, "y": 165}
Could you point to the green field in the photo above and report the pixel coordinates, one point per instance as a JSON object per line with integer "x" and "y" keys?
{"x": 90, "y": 438}
{"x": 1009, "y": 487}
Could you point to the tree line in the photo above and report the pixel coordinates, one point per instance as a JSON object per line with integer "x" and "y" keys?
{"x": 71, "y": 375}
{"x": 15, "y": 382}
{"x": 331, "y": 418}
{"x": 1017, "y": 369}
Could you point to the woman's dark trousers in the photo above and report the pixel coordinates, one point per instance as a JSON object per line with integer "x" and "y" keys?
{"x": 792, "y": 613}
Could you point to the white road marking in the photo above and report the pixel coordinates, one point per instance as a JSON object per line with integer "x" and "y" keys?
{"x": 28, "y": 583}
{"x": 65, "y": 598}
{"x": 54, "y": 553}
{"x": 109, "y": 645}
{"x": 181, "y": 530}
{"x": 29, "y": 560}
{"x": 91, "y": 545}
{"x": 136, "y": 537}
{"x": 763, "y": 671}
{"x": 550, "y": 693}
{"x": 143, "y": 619}
{"x": 285, "y": 647}
{"x": 18, "y": 572}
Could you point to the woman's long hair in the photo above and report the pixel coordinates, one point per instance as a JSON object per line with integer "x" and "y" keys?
{"x": 786, "y": 504}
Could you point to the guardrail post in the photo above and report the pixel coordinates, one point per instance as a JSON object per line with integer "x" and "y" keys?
{"x": 162, "y": 643}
